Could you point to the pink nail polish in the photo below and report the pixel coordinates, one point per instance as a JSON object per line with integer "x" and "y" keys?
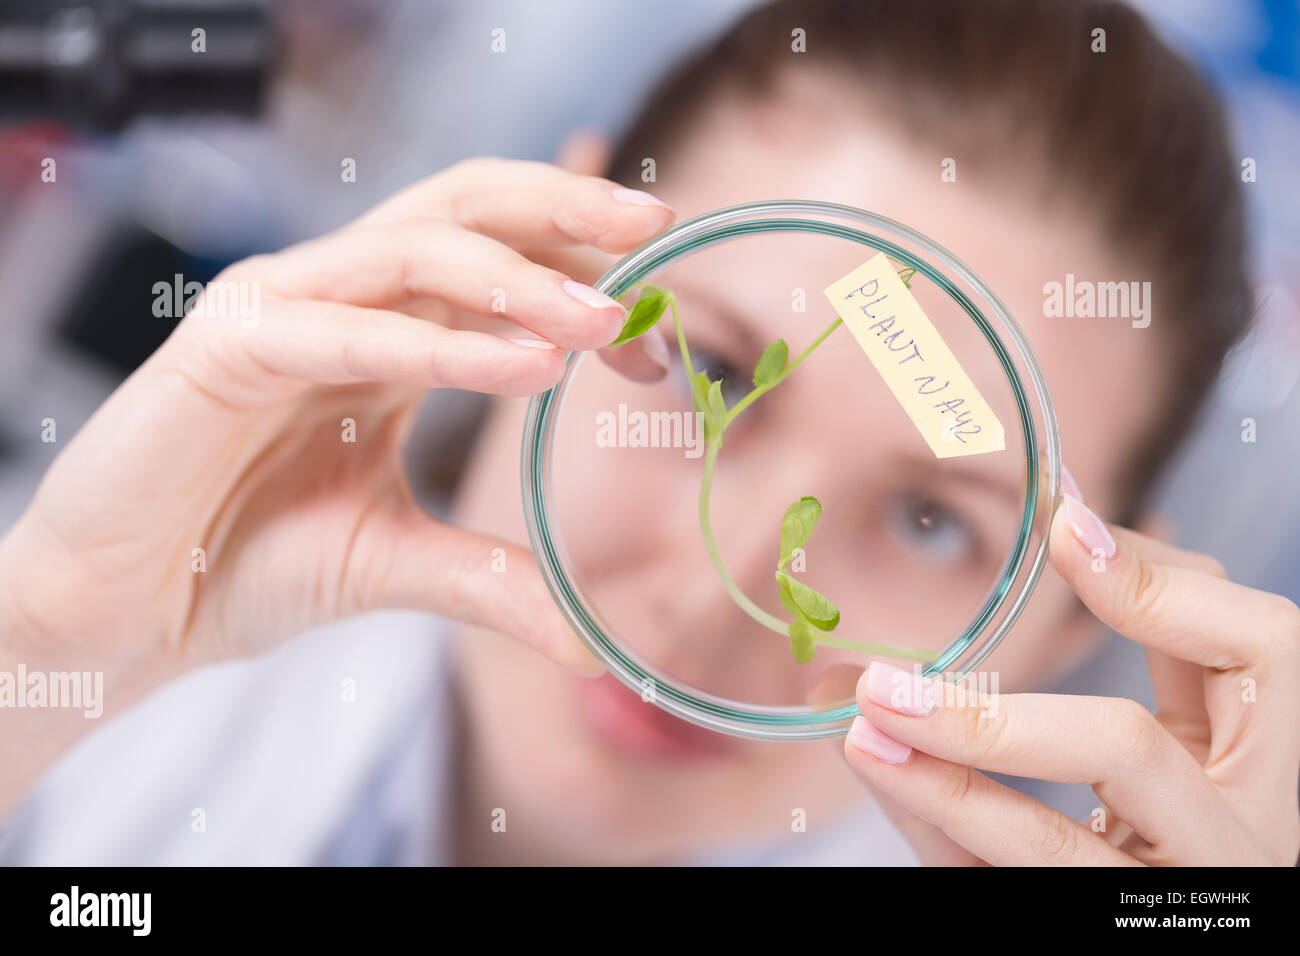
{"x": 1068, "y": 485}
{"x": 638, "y": 198}
{"x": 903, "y": 692}
{"x": 881, "y": 746}
{"x": 590, "y": 297}
{"x": 1088, "y": 529}
{"x": 534, "y": 343}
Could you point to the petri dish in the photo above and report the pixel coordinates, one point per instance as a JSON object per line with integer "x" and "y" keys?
{"x": 667, "y": 555}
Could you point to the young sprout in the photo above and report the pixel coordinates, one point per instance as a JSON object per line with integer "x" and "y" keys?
{"x": 813, "y": 615}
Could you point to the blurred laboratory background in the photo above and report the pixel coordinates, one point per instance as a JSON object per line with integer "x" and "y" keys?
{"x": 169, "y": 163}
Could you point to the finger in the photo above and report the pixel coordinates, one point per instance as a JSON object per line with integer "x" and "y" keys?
{"x": 991, "y": 821}
{"x": 1114, "y": 745}
{"x": 933, "y": 847}
{"x": 1178, "y": 685}
{"x": 643, "y": 359}
{"x": 429, "y": 258}
{"x": 404, "y": 559}
{"x": 579, "y": 262}
{"x": 1164, "y": 552}
{"x": 326, "y": 343}
{"x": 831, "y": 690}
{"x": 834, "y": 688}
{"x": 1249, "y": 640}
{"x": 1193, "y": 615}
{"x": 521, "y": 201}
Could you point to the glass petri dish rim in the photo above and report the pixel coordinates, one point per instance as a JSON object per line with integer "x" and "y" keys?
{"x": 1020, "y": 572}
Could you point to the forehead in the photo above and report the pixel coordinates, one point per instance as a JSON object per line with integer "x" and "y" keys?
{"x": 1016, "y": 224}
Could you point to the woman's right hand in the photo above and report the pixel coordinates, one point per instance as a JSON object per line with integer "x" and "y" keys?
{"x": 213, "y": 506}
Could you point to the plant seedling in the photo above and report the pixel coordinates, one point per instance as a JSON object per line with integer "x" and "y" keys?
{"x": 813, "y": 615}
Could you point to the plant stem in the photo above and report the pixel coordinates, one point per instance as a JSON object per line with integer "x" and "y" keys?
{"x": 770, "y": 621}
{"x": 883, "y": 650}
{"x": 712, "y": 447}
{"x": 758, "y": 390}
{"x": 682, "y": 347}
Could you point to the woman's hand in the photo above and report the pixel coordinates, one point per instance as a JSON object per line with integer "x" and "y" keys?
{"x": 245, "y": 483}
{"x": 1210, "y": 779}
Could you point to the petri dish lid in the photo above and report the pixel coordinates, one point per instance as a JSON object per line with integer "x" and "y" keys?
{"x": 737, "y": 553}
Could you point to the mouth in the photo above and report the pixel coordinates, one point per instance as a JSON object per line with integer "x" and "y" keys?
{"x": 623, "y": 721}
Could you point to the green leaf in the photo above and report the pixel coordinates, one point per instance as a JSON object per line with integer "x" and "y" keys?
{"x": 797, "y": 526}
{"x": 783, "y": 582}
{"x": 648, "y": 310}
{"x": 816, "y": 607}
{"x": 807, "y": 604}
{"x": 802, "y": 641}
{"x": 707, "y": 398}
{"x": 717, "y": 406}
{"x": 771, "y": 363}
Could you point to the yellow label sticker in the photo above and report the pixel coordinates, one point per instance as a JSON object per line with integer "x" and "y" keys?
{"x": 914, "y": 361}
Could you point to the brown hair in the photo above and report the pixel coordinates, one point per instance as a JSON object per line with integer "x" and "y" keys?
{"x": 1134, "y": 129}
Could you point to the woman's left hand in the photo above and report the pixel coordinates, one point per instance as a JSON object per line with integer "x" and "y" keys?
{"x": 1209, "y": 779}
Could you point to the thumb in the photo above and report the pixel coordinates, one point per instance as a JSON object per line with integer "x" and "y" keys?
{"x": 834, "y": 688}
{"x": 932, "y": 845}
{"x": 644, "y": 359}
{"x": 402, "y": 558}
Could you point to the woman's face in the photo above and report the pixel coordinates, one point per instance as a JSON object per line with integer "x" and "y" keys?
{"x": 584, "y": 768}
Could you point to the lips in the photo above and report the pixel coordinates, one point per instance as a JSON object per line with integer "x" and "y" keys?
{"x": 638, "y": 728}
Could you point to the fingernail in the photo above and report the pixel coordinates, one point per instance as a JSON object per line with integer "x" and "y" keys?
{"x": 638, "y": 198}
{"x": 656, "y": 347}
{"x": 881, "y": 746}
{"x": 591, "y": 297}
{"x": 903, "y": 692}
{"x": 534, "y": 343}
{"x": 1088, "y": 529}
{"x": 1068, "y": 485}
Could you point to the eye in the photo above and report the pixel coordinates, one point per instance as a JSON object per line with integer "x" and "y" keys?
{"x": 928, "y": 528}
{"x": 735, "y": 382}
